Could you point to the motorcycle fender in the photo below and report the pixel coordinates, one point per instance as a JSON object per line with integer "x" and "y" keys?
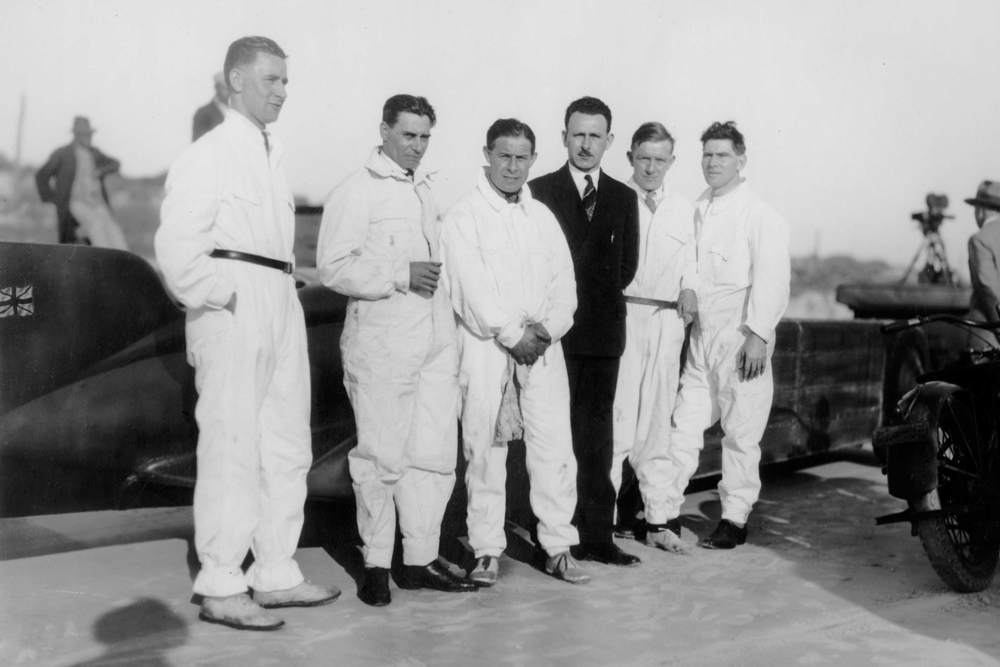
{"x": 911, "y": 460}
{"x": 911, "y": 448}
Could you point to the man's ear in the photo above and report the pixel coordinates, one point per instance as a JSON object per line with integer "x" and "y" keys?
{"x": 741, "y": 160}
{"x": 236, "y": 80}
{"x": 628, "y": 154}
{"x": 383, "y": 130}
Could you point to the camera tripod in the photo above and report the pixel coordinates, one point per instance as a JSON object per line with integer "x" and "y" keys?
{"x": 936, "y": 270}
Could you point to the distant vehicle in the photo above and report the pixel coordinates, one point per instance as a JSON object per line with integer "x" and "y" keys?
{"x": 943, "y": 459}
{"x": 97, "y": 399}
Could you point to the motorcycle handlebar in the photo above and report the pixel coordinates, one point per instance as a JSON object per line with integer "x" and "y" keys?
{"x": 899, "y": 325}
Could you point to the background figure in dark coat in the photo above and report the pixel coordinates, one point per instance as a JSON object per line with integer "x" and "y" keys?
{"x": 212, "y": 114}
{"x": 54, "y": 179}
{"x": 599, "y": 216}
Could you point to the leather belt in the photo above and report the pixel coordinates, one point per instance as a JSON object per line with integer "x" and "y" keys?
{"x": 643, "y": 301}
{"x": 285, "y": 267}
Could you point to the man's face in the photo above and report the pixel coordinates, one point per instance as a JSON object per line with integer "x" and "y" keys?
{"x": 508, "y": 163}
{"x": 406, "y": 140}
{"x": 721, "y": 165}
{"x": 586, "y": 138}
{"x": 259, "y": 88}
{"x": 83, "y": 138}
{"x": 650, "y": 161}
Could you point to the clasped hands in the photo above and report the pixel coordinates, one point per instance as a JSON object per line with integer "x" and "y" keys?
{"x": 534, "y": 341}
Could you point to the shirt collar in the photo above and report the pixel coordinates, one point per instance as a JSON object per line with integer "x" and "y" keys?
{"x": 494, "y": 198}
{"x": 384, "y": 166}
{"x": 736, "y": 194}
{"x": 992, "y": 217}
{"x": 658, "y": 194}
{"x": 247, "y": 131}
{"x": 578, "y": 177}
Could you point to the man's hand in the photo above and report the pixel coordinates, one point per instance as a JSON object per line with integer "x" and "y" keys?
{"x": 424, "y": 277}
{"x": 531, "y": 346}
{"x": 751, "y": 360}
{"x": 687, "y": 306}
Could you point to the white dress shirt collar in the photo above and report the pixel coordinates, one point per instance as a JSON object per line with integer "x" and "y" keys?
{"x": 579, "y": 176}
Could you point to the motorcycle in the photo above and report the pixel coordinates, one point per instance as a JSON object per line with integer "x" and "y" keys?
{"x": 943, "y": 459}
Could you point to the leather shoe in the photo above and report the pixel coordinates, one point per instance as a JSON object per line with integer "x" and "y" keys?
{"x": 633, "y": 530}
{"x": 374, "y": 589}
{"x": 667, "y": 536}
{"x": 727, "y": 535}
{"x": 433, "y": 575}
{"x": 563, "y": 566}
{"x": 238, "y": 611}
{"x": 604, "y": 552}
{"x": 303, "y": 595}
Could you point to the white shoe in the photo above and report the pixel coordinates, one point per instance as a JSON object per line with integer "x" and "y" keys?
{"x": 667, "y": 540}
{"x": 486, "y": 572}
{"x": 238, "y": 611}
{"x": 564, "y": 566}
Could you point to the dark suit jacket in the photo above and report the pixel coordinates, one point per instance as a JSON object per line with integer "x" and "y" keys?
{"x": 605, "y": 254}
{"x": 205, "y": 118}
{"x": 61, "y": 167}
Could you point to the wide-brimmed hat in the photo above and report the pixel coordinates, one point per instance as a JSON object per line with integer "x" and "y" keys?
{"x": 987, "y": 196}
{"x": 81, "y": 125}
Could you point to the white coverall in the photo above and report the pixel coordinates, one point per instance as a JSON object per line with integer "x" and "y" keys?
{"x": 88, "y": 207}
{"x": 651, "y": 363}
{"x": 400, "y": 357}
{"x": 507, "y": 264}
{"x": 743, "y": 283}
{"x": 251, "y": 365}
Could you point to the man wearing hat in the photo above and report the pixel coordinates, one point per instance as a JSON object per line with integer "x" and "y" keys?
{"x": 213, "y": 113}
{"x": 73, "y": 180}
{"x": 984, "y": 252}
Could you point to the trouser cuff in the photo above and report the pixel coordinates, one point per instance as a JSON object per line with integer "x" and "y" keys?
{"x": 276, "y": 576}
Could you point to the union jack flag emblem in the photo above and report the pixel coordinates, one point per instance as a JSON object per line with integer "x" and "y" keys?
{"x": 16, "y": 302}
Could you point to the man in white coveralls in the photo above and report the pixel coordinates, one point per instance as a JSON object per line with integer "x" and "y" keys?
{"x": 510, "y": 276}
{"x": 379, "y": 244}
{"x": 743, "y": 282}
{"x": 225, "y": 247}
{"x": 651, "y": 362}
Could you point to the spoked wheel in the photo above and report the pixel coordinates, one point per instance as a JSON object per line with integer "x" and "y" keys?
{"x": 963, "y": 542}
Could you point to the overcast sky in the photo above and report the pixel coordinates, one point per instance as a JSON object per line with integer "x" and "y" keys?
{"x": 852, "y": 109}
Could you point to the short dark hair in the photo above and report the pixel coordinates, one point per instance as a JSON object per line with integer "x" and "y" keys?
{"x": 590, "y": 106}
{"x": 509, "y": 127}
{"x": 725, "y": 130}
{"x": 244, "y": 51}
{"x": 651, "y": 131}
{"x": 414, "y": 104}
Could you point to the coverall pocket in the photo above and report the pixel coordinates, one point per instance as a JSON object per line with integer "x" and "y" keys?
{"x": 727, "y": 267}
{"x": 204, "y": 326}
{"x": 392, "y": 237}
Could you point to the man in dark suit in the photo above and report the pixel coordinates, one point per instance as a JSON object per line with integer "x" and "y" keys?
{"x": 213, "y": 113}
{"x": 56, "y": 177}
{"x": 600, "y": 218}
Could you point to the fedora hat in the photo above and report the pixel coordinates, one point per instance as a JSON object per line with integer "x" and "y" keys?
{"x": 81, "y": 125}
{"x": 987, "y": 196}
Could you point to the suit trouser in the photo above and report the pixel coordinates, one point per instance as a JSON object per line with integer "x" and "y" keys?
{"x": 254, "y": 442}
{"x": 711, "y": 391}
{"x": 404, "y": 391}
{"x": 544, "y": 402}
{"x": 592, "y": 394}
{"x": 644, "y": 400}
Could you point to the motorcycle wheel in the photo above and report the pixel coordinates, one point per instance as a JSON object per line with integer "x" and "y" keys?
{"x": 962, "y": 543}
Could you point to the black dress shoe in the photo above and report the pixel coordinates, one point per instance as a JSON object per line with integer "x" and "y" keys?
{"x": 727, "y": 535}
{"x": 631, "y": 530}
{"x": 375, "y": 587}
{"x": 433, "y": 575}
{"x": 604, "y": 552}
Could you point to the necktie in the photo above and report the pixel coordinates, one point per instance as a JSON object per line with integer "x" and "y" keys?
{"x": 589, "y": 197}
{"x": 409, "y": 173}
{"x": 651, "y": 201}
{"x": 512, "y": 197}
{"x": 267, "y": 143}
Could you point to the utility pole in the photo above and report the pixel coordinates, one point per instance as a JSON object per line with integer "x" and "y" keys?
{"x": 20, "y": 133}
